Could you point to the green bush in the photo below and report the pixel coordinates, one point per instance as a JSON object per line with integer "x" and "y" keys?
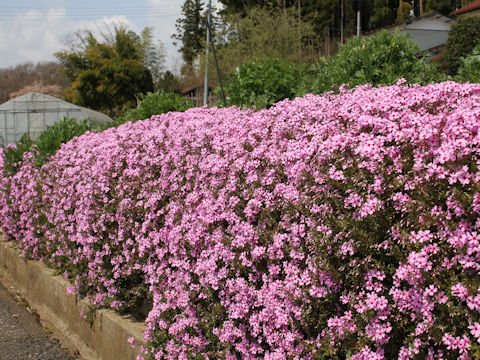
{"x": 380, "y": 59}
{"x": 470, "y": 67}
{"x": 261, "y": 83}
{"x": 45, "y": 145}
{"x": 159, "y": 102}
{"x": 462, "y": 38}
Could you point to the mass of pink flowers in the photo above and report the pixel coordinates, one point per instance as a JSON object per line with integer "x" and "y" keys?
{"x": 335, "y": 226}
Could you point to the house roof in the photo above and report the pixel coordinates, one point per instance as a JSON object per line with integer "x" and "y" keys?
{"x": 432, "y": 16}
{"x": 428, "y": 31}
{"x": 192, "y": 88}
{"x": 187, "y": 90}
{"x": 467, "y": 8}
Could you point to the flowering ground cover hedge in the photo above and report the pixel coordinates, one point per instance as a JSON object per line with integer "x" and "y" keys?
{"x": 335, "y": 226}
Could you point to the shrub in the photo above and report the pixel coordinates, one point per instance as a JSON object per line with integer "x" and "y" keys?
{"x": 159, "y": 102}
{"x": 462, "y": 38}
{"x": 261, "y": 83}
{"x": 380, "y": 59}
{"x": 334, "y": 226}
{"x": 45, "y": 145}
{"x": 470, "y": 67}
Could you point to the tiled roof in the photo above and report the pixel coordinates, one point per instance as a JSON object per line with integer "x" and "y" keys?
{"x": 467, "y": 8}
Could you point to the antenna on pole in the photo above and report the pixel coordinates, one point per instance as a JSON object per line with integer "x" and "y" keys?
{"x": 205, "y": 91}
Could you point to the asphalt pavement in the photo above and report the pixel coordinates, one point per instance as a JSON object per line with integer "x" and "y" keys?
{"x": 22, "y": 335}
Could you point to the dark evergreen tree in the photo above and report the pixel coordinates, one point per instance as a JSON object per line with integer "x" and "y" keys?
{"x": 191, "y": 30}
{"x": 442, "y": 6}
{"x": 382, "y": 15}
{"x": 462, "y": 39}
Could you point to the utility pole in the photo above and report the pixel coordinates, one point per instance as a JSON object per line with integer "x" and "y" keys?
{"x": 205, "y": 91}
{"x": 358, "y": 23}
{"x": 358, "y": 17}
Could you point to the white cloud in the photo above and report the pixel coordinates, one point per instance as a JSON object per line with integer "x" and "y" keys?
{"x": 35, "y": 36}
{"x": 31, "y": 37}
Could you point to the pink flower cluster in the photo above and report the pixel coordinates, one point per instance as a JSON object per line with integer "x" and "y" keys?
{"x": 333, "y": 226}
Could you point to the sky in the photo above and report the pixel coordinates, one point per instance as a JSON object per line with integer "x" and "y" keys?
{"x": 33, "y": 30}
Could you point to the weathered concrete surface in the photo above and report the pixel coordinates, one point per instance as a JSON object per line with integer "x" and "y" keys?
{"x": 105, "y": 339}
{"x": 21, "y": 334}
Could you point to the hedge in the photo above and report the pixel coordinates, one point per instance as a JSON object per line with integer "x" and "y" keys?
{"x": 332, "y": 226}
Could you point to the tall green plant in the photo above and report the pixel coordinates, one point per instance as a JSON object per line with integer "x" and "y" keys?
{"x": 380, "y": 59}
{"x": 159, "y": 102}
{"x": 261, "y": 83}
{"x": 470, "y": 67}
{"x": 462, "y": 38}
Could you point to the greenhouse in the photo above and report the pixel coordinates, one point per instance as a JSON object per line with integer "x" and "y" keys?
{"x": 33, "y": 112}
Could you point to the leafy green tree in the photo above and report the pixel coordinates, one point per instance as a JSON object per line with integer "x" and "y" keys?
{"x": 325, "y": 14}
{"x": 380, "y": 59}
{"x": 154, "y": 55}
{"x": 240, "y": 6}
{"x": 462, "y": 38}
{"x": 107, "y": 75}
{"x": 191, "y": 30}
{"x": 261, "y": 83}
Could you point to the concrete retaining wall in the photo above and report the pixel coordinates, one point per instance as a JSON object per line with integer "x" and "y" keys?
{"x": 105, "y": 339}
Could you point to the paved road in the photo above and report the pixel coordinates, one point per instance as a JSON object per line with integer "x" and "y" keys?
{"x": 21, "y": 335}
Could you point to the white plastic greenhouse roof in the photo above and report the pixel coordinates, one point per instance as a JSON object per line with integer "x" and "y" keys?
{"x": 33, "y": 112}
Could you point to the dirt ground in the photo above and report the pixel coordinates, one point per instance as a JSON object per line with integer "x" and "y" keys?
{"x": 22, "y": 334}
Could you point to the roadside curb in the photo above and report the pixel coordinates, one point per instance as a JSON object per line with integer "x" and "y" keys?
{"x": 104, "y": 339}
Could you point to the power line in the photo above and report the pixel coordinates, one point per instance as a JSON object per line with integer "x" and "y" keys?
{"x": 78, "y": 17}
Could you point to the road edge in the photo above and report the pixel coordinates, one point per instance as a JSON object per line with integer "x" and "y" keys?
{"x": 104, "y": 338}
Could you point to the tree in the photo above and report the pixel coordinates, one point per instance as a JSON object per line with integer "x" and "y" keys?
{"x": 154, "y": 55}
{"x": 403, "y": 11}
{"x": 462, "y": 38}
{"x": 442, "y": 6}
{"x": 382, "y": 15}
{"x": 43, "y": 77}
{"x": 169, "y": 83}
{"x": 260, "y": 33}
{"x": 191, "y": 30}
{"x": 108, "y": 75}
